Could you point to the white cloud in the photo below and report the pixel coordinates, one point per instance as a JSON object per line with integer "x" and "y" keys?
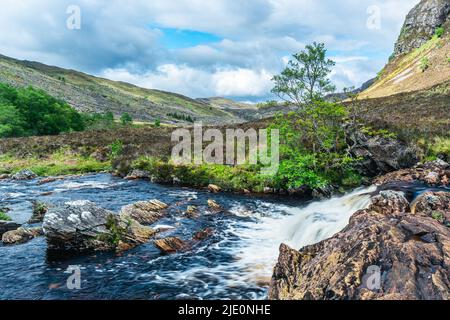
{"x": 199, "y": 83}
{"x": 123, "y": 39}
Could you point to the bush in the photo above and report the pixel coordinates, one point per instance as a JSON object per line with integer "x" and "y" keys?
{"x": 4, "y": 217}
{"x": 424, "y": 64}
{"x": 126, "y": 119}
{"x": 157, "y": 123}
{"x": 439, "y": 32}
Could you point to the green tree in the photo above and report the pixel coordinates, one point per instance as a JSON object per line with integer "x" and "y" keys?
{"x": 11, "y": 122}
{"x": 126, "y": 119}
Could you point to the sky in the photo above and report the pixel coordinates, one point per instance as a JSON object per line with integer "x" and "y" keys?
{"x": 202, "y": 48}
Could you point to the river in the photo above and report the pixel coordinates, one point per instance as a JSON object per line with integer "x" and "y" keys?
{"x": 235, "y": 263}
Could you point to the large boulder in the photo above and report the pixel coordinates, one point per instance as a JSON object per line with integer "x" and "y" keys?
{"x": 380, "y": 155}
{"x": 145, "y": 212}
{"x": 410, "y": 250}
{"x": 21, "y": 235}
{"x": 24, "y": 175}
{"x": 83, "y": 226}
{"x": 421, "y": 24}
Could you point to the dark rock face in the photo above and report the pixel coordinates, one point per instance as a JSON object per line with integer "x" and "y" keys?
{"x": 380, "y": 155}
{"x": 421, "y": 24}
{"x": 409, "y": 243}
{"x": 24, "y": 175}
{"x": 6, "y": 226}
{"x": 82, "y": 226}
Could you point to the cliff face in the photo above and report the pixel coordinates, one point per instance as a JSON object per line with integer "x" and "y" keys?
{"x": 421, "y": 24}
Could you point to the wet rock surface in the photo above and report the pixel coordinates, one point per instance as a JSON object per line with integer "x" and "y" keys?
{"x": 170, "y": 245}
{"x": 83, "y": 226}
{"x": 24, "y": 175}
{"x": 6, "y": 226}
{"x": 145, "y": 212}
{"x": 21, "y": 235}
{"x": 409, "y": 242}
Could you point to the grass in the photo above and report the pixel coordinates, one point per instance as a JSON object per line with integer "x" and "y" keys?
{"x": 61, "y": 162}
{"x": 4, "y": 217}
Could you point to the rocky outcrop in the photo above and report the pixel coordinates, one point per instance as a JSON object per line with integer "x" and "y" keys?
{"x": 39, "y": 211}
{"x": 6, "y": 226}
{"x": 170, "y": 245}
{"x": 24, "y": 175}
{"x": 83, "y": 226}
{"x": 138, "y": 175}
{"x": 407, "y": 243}
{"x": 421, "y": 24}
{"x": 21, "y": 235}
{"x": 380, "y": 155}
{"x": 214, "y": 189}
{"x": 435, "y": 173}
{"x": 145, "y": 212}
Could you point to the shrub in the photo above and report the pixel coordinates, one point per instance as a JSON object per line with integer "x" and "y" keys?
{"x": 116, "y": 149}
{"x": 439, "y": 32}
{"x": 424, "y": 64}
{"x": 126, "y": 119}
{"x": 157, "y": 123}
{"x": 4, "y": 216}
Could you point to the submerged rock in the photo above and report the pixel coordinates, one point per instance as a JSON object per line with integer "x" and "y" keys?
{"x": 24, "y": 175}
{"x": 21, "y": 235}
{"x": 204, "y": 234}
{"x": 83, "y": 226}
{"x": 170, "y": 245}
{"x": 403, "y": 242}
{"x": 4, "y": 176}
{"x": 6, "y": 226}
{"x": 145, "y": 212}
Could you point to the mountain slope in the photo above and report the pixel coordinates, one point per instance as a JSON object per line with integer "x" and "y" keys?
{"x": 87, "y": 93}
{"x": 421, "y": 58}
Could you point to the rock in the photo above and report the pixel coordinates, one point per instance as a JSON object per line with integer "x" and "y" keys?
{"x": 437, "y": 172}
{"x": 411, "y": 250}
{"x": 39, "y": 211}
{"x": 390, "y": 203}
{"x": 380, "y": 155}
{"x": 204, "y": 234}
{"x": 4, "y": 176}
{"x": 145, "y": 212}
{"x": 170, "y": 245}
{"x": 21, "y": 235}
{"x": 83, "y": 226}
{"x": 432, "y": 178}
{"x": 191, "y": 211}
{"x": 213, "y": 205}
{"x": 214, "y": 189}
{"x": 433, "y": 204}
{"x": 101, "y": 155}
{"x": 421, "y": 23}
{"x": 24, "y": 175}
{"x": 246, "y": 191}
{"x": 138, "y": 174}
{"x": 268, "y": 190}
{"x": 6, "y": 226}
{"x": 49, "y": 180}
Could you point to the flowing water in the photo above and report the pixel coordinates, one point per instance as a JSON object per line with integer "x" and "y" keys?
{"x": 235, "y": 263}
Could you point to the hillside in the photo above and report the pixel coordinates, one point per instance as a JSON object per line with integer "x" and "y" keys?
{"x": 92, "y": 94}
{"x": 421, "y": 58}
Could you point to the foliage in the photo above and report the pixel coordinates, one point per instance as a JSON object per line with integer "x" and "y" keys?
{"x": 34, "y": 112}
{"x": 439, "y": 32}
{"x": 4, "y": 217}
{"x": 157, "y": 123}
{"x": 424, "y": 64}
{"x": 116, "y": 149}
{"x": 126, "y": 119}
{"x": 183, "y": 117}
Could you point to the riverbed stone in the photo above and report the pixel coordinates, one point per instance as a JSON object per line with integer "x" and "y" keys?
{"x": 145, "y": 212}
{"x": 170, "y": 245}
{"x": 6, "y": 226}
{"x": 24, "y": 175}
{"x": 83, "y": 226}
{"x": 21, "y": 235}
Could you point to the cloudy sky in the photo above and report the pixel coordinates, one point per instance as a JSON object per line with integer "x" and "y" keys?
{"x": 203, "y": 48}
